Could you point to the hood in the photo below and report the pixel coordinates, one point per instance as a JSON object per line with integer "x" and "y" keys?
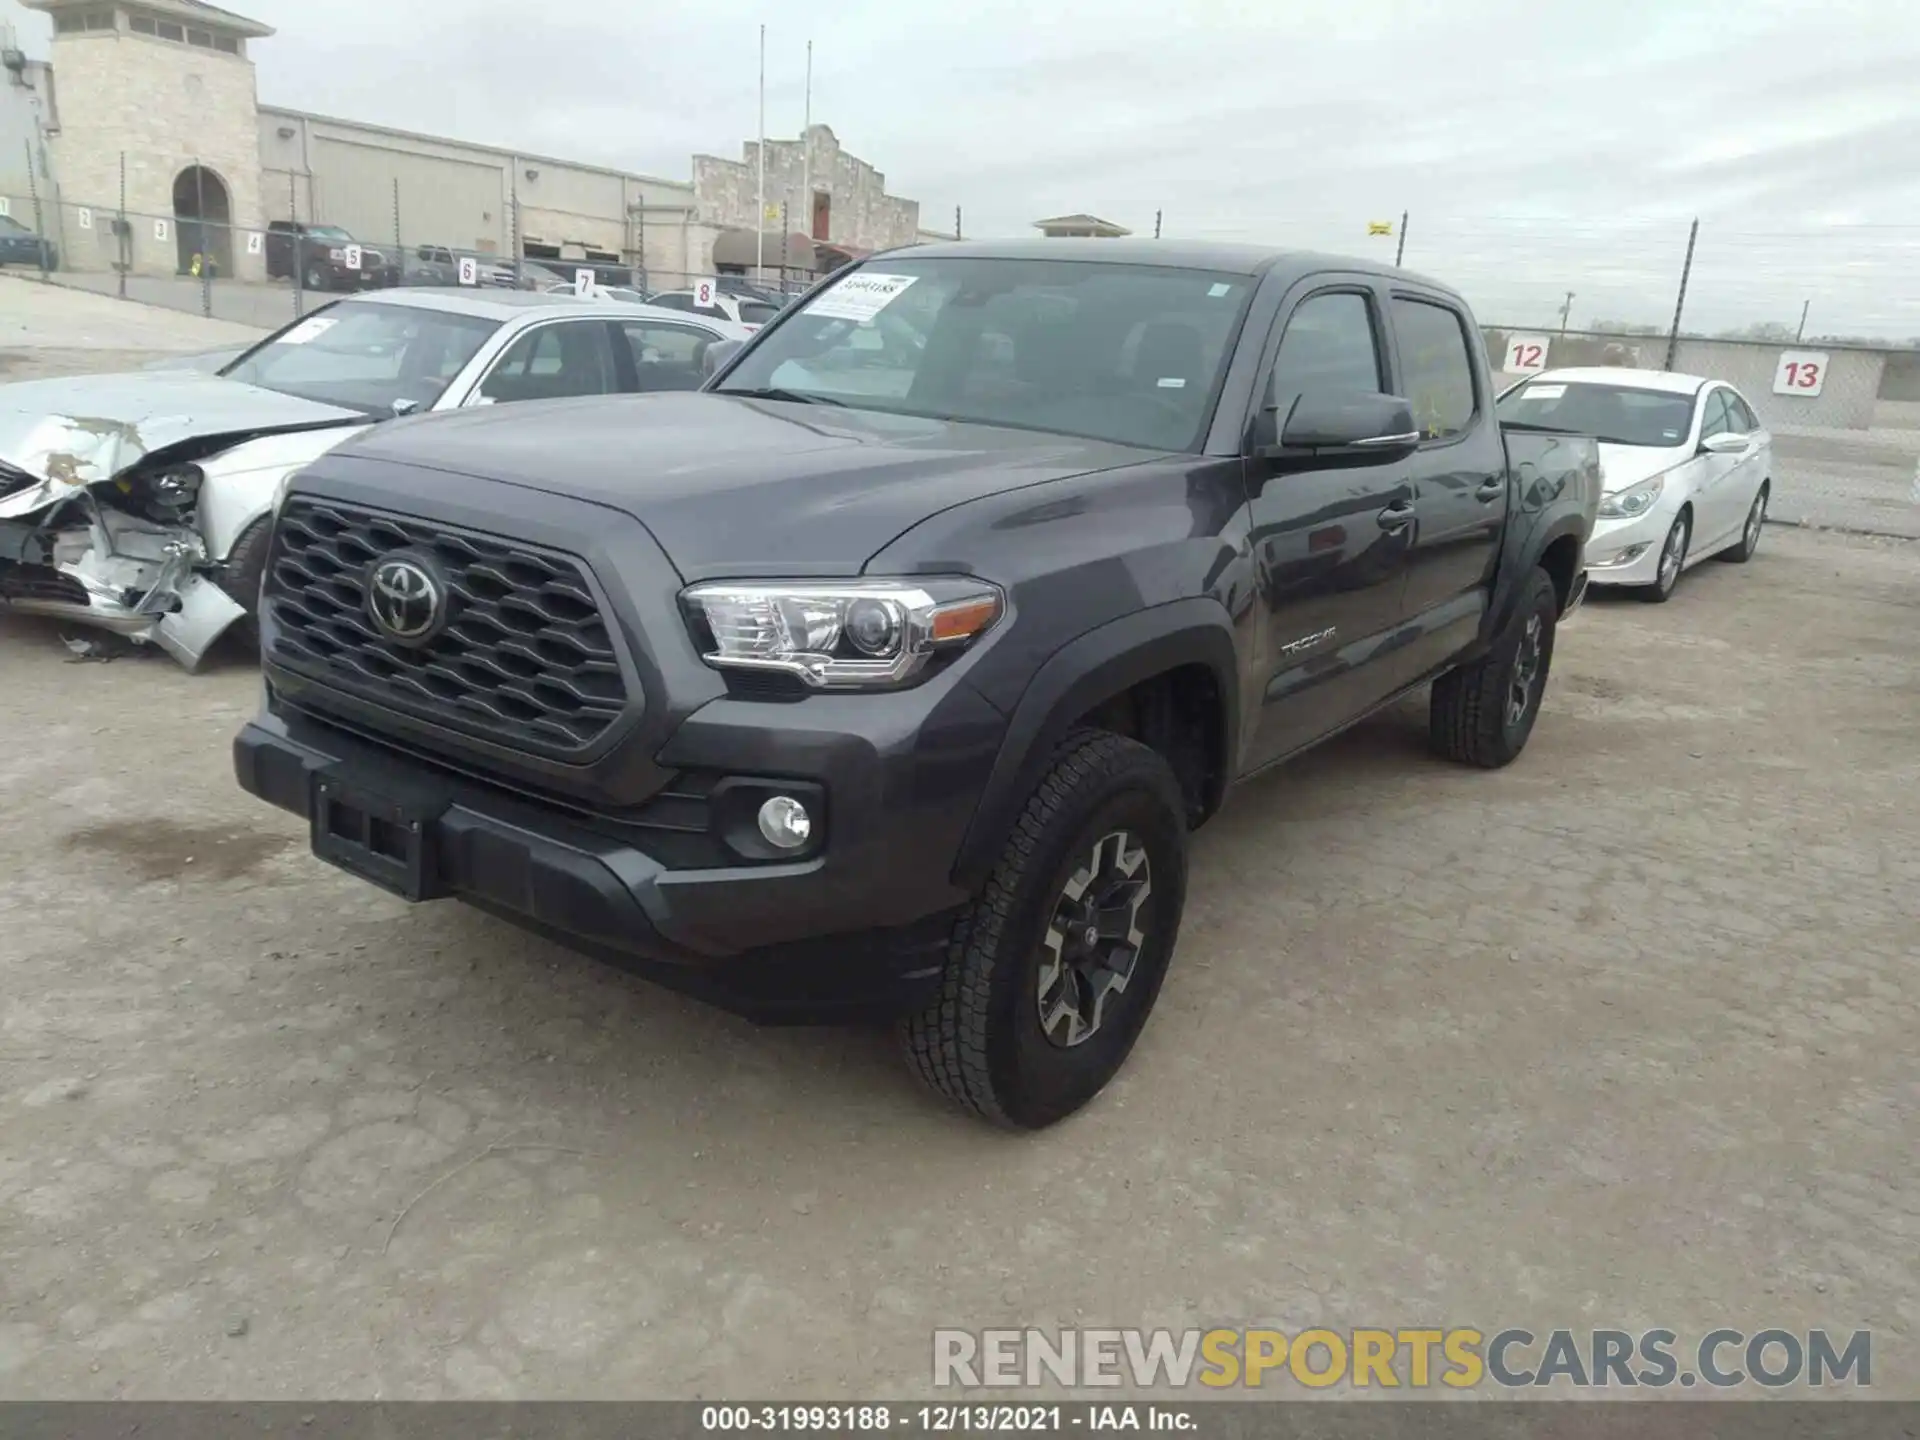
{"x": 74, "y": 432}
{"x": 1624, "y": 466}
{"x": 731, "y": 486}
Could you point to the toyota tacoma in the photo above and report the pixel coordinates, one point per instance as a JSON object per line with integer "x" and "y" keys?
{"x": 889, "y": 673}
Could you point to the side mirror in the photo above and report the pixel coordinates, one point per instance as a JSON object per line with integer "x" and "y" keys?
{"x": 405, "y": 407}
{"x": 718, "y": 354}
{"x": 1358, "y": 426}
{"x": 1725, "y": 443}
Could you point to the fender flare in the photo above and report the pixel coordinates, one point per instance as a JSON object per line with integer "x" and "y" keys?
{"x": 1527, "y": 556}
{"x": 1079, "y": 676}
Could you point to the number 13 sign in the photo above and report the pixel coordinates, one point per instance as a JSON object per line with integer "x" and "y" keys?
{"x": 1800, "y": 372}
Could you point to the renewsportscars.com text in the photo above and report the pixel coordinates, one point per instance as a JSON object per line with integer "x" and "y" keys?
{"x": 1416, "y": 1359}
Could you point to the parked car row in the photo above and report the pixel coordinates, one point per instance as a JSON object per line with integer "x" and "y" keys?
{"x": 889, "y": 672}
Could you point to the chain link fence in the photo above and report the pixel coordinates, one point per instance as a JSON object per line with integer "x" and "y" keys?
{"x": 267, "y": 269}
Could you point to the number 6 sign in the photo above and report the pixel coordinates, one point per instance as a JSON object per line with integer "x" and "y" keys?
{"x": 1800, "y": 372}
{"x": 1526, "y": 354}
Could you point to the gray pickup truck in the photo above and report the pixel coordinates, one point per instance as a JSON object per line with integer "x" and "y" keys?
{"x": 890, "y": 673}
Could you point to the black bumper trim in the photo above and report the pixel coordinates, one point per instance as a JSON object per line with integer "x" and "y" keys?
{"x": 546, "y": 874}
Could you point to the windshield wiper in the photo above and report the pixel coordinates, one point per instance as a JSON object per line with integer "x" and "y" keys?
{"x": 799, "y": 397}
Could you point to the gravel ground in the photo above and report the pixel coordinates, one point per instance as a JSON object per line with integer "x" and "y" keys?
{"x": 1620, "y": 1036}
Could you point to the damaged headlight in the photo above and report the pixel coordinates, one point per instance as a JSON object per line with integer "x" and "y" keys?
{"x": 166, "y": 497}
{"x": 848, "y": 634}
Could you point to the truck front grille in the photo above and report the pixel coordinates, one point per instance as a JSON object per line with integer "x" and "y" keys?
{"x": 523, "y": 658}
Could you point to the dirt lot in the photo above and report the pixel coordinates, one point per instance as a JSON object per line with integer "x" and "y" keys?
{"x": 1620, "y": 1036}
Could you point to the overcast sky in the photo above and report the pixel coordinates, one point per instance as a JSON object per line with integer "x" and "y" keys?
{"x": 1539, "y": 147}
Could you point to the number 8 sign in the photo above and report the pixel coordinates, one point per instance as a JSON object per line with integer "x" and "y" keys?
{"x": 1800, "y": 372}
{"x": 1526, "y": 354}
{"x": 703, "y": 294}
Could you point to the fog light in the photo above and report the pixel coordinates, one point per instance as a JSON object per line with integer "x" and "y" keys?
{"x": 785, "y": 823}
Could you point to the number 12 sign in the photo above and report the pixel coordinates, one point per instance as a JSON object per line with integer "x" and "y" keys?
{"x": 1800, "y": 372}
{"x": 1526, "y": 354}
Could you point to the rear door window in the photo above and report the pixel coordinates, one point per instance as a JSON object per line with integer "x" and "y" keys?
{"x": 1436, "y": 367}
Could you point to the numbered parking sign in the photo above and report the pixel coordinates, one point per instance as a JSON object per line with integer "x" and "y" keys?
{"x": 85, "y": 217}
{"x": 1526, "y": 354}
{"x": 703, "y": 294}
{"x": 583, "y": 283}
{"x": 256, "y": 242}
{"x": 1800, "y": 372}
{"x": 6, "y": 207}
{"x": 353, "y": 257}
{"x": 469, "y": 270}
{"x": 160, "y": 231}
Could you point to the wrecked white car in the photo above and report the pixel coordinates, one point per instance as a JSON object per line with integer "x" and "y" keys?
{"x": 141, "y": 504}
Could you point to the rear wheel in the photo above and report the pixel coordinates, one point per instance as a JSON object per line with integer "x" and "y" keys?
{"x": 1482, "y": 714}
{"x": 1673, "y": 559}
{"x": 1750, "y": 535}
{"x": 1054, "y": 968}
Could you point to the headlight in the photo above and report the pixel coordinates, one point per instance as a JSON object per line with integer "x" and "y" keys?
{"x": 1634, "y": 500}
{"x": 841, "y": 635}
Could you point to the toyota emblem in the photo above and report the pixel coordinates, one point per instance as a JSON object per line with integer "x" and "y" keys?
{"x": 406, "y": 599}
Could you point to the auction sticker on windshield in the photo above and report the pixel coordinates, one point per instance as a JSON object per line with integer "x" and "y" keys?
{"x": 308, "y": 330}
{"x": 860, "y": 296}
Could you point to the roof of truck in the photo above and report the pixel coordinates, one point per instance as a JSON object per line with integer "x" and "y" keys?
{"x": 1225, "y": 256}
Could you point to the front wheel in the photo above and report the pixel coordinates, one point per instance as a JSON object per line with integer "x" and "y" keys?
{"x": 1054, "y": 968}
{"x": 1673, "y": 559}
{"x": 240, "y": 576}
{"x": 1482, "y": 714}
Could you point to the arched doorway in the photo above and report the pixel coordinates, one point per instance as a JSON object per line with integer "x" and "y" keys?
{"x": 203, "y": 219}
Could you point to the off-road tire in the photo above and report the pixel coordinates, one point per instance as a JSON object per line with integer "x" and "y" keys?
{"x": 979, "y": 1041}
{"x": 1467, "y": 716}
{"x": 240, "y": 577}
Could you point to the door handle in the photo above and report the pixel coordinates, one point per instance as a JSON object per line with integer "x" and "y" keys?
{"x": 1397, "y": 516}
{"x": 1492, "y": 490}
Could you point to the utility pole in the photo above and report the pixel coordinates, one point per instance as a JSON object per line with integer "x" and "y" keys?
{"x": 1801, "y": 332}
{"x": 1400, "y": 247}
{"x": 1156, "y": 224}
{"x": 760, "y": 215}
{"x": 1566, "y": 309}
{"x": 956, "y": 222}
{"x": 806, "y": 155}
{"x": 1680, "y": 304}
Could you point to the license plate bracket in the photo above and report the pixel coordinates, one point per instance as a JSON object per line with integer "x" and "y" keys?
{"x": 385, "y": 839}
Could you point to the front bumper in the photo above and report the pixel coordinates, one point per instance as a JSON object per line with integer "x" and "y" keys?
{"x": 1627, "y": 551}
{"x": 857, "y": 928}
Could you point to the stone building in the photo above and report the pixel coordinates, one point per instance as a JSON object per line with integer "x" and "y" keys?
{"x": 819, "y": 197}
{"x": 165, "y": 89}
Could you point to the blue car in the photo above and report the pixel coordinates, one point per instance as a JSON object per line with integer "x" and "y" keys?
{"x": 21, "y": 246}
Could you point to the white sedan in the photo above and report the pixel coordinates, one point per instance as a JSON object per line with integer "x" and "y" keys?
{"x": 1686, "y": 467}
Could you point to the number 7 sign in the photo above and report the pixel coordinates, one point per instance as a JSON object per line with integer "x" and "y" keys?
{"x": 1800, "y": 372}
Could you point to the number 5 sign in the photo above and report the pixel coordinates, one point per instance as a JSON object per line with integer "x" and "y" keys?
{"x": 1526, "y": 354}
{"x": 1800, "y": 372}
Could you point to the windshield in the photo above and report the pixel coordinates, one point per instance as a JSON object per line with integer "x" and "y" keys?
{"x": 365, "y": 356}
{"x": 1128, "y": 353}
{"x": 11, "y": 226}
{"x": 1617, "y": 414}
{"x": 328, "y": 232}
